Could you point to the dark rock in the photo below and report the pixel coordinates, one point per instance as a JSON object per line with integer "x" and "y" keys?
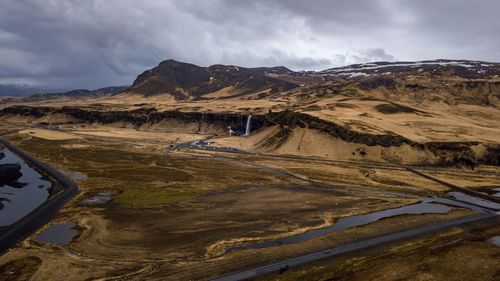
{"x": 454, "y": 153}
{"x": 293, "y": 119}
{"x": 491, "y": 156}
{"x": 393, "y": 108}
{"x": 448, "y": 153}
{"x": 139, "y": 117}
{"x": 3, "y": 200}
{"x": 377, "y": 82}
{"x": 415, "y": 87}
{"x": 9, "y": 173}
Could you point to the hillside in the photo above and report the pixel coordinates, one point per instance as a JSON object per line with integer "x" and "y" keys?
{"x": 443, "y": 81}
{"x": 188, "y": 81}
{"x": 438, "y": 111}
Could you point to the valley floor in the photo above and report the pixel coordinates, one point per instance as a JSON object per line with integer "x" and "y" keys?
{"x": 185, "y": 213}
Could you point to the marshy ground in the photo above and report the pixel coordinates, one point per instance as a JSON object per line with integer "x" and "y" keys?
{"x": 457, "y": 254}
{"x": 174, "y": 216}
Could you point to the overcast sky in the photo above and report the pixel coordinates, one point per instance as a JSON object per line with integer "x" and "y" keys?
{"x": 95, "y": 43}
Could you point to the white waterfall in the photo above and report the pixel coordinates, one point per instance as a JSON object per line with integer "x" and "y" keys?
{"x": 201, "y": 122}
{"x": 249, "y": 125}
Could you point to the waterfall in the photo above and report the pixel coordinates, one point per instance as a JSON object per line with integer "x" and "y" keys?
{"x": 201, "y": 122}
{"x": 249, "y": 125}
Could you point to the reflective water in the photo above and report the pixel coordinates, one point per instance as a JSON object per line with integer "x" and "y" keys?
{"x": 474, "y": 200}
{"x": 497, "y": 192}
{"x": 23, "y": 196}
{"x": 99, "y": 199}
{"x": 427, "y": 206}
{"x": 495, "y": 240}
{"x": 59, "y": 233}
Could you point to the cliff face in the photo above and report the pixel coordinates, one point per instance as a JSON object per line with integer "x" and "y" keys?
{"x": 137, "y": 117}
{"x": 445, "y": 108}
{"x": 446, "y": 153}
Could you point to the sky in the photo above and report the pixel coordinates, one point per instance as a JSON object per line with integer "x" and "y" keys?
{"x": 96, "y": 43}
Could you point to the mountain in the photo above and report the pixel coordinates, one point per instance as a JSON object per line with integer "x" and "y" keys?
{"x": 422, "y": 83}
{"x": 188, "y": 81}
{"x": 447, "y": 110}
{"x": 430, "y": 80}
{"x": 79, "y": 94}
{"x": 15, "y": 90}
{"x": 460, "y": 68}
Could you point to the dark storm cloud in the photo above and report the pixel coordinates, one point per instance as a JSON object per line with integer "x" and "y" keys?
{"x": 92, "y": 43}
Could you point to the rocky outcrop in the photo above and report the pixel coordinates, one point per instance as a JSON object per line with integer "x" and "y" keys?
{"x": 294, "y": 119}
{"x": 446, "y": 153}
{"x": 373, "y": 83}
{"x": 139, "y": 117}
{"x": 454, "y": 153}
{"x": 491, "y": 156}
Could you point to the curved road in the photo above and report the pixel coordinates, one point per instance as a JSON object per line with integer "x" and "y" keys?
{"x": 29, "y": 224}
{"x": 352, "y": 247}
{"x": 487, "y": 213}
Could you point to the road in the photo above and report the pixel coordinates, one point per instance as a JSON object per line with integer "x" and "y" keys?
{"x": 352, "y": 247}
{"x": 456, "y": 187}
{"x": 42, "y": 215}
{"x": 23, "y": 228}
{"x": 356, "y": 246}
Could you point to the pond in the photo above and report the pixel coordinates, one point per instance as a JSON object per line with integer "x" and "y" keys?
{"x": 22, "y": 188}
{"x": 59, "y": 233}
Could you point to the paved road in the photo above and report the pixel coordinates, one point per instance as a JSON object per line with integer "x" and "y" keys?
{"x": 26, "y": 226}
{"x": 251, "y": 273}
{"x": 456, "y": 187}
{"x": 352, "y": 247}
{"x": 42, "y": 215}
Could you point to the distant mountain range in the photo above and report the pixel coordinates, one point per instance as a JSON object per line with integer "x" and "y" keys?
{"x": 82, "y": 93}
{"x": 73, "y": 94}
{"x": 185, "y": 81}
{"x": 15, "y": 90}
{"x": 461, "y": 68}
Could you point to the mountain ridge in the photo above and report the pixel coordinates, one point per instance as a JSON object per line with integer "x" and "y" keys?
{"x": 185, "y": 81}
{"x": 72, "y": 94}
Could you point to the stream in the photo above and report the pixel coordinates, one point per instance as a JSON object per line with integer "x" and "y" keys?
{"x": 426, "y": 206}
